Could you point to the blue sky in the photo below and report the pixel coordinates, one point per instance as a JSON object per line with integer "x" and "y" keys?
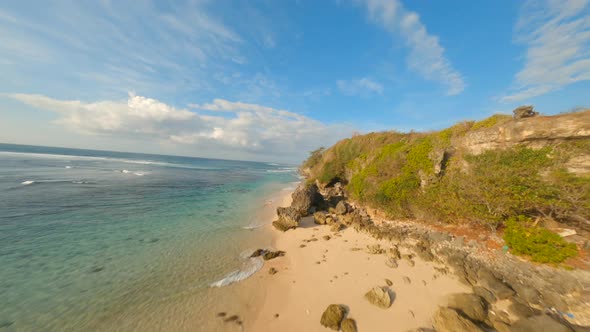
{"x": 272, "y": 80}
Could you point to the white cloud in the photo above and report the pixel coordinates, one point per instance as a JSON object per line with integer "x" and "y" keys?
{"x": 426, "y": 54}
{"x": 256, "y": 129}
{"x": 359, "y": 87}
{"x": 557, "y": 37}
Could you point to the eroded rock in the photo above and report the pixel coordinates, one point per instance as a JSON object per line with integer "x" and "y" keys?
{"x": 470, "y": 305}
{"x": 449, "y": 320}
{"x": 379, "y": 296}
{"x": 348, "y": 325}
{"x": 333, "y": 316}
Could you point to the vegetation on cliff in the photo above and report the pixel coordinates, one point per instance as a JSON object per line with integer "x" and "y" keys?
{"x": 432, "y": 176}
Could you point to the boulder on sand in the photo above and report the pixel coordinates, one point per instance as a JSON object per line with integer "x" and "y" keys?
{"x": 449, "y": 320}
{"x": 319, "y": 218}
{"x": 337, "y": 227}
{"x": 305, "y": 197}
{"x": 288, "y": 218}
{"x": 333, "y": 316}
{"x": 348, "y": 325}
{"x": 379, "y": 296}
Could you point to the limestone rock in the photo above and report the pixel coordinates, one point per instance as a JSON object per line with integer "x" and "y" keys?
{"x": 341, "y": 208}
{"x": 273, "y": 254}
{"x": 542, "y": 323}
{"x": 470, "y": 305}
{"x": 333, "y": 316}
{"x": 304, "y": 197}
{"x": 484, "y": 293}
{"x": 526, "y": 111}
{"x": 319, "y": 218}
{"x": 449, "y": 320}
{"x": 488, "y": 281}
{"x": 348, "y": 325}
{"x": 379, "y": 296}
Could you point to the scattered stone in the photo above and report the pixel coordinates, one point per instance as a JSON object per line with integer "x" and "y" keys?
{"x": 411, "y": 262}
{"x": 276, "y": 315}
{"x": 221, "y": 314}
{"x": 538, "y": 323}
{"x": 449, "y": 320}
{"x": 312, "y": 239}
{"x": 330, "y": 219}
{"x": 302, "y": 246}
{"x": 470, "y": 305}
{"x": 318, "y": 262}
{"x": 272, "y": 270}
{"x": 326, "y": 237}
{"x": 348, "y": 325}
{"x": 412, "y": 313}
{"x": 407, "y": 280}
{"x": 356, "y": 249}
{"x": 389, "y": 282}
{"x": 337, "y": 227}
{"x": 375, "y": 249}
{"x": 333, "y": 316}
{"x": 391, "y": 262}
{"x": 379, "y": 296}
{"x": 232, "y": 318}
{"x": 424, "y": 282}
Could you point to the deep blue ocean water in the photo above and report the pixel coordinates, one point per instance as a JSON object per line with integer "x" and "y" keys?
{"x": 88, "y": 235}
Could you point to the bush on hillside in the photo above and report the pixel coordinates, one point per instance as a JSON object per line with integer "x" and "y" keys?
{"x": 540, "y": 244}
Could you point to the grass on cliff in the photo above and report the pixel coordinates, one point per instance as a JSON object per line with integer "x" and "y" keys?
{"x": 429, "y": 176}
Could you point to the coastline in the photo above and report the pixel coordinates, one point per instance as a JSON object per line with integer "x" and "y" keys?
{"x": 316, "y": 273}
{"x": 436, "y": 274}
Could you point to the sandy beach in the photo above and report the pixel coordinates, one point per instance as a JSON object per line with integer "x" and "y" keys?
{"x": 316, "y": 272}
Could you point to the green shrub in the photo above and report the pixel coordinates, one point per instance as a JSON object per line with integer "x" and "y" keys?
{"x": 540, "y": 244}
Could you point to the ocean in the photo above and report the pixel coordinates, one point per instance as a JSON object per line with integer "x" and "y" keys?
{"x": 97, "y": 240}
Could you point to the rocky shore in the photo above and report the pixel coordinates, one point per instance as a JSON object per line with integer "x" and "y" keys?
{"x": 505, "y": 293}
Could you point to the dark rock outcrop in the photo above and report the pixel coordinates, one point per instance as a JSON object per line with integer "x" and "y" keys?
{"x": 539, "y": 324}
{"x": 470, "y": 305}
{"x": 305, "y": 197}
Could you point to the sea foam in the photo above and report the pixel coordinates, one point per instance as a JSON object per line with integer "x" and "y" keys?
{"x": 249, "y": 266}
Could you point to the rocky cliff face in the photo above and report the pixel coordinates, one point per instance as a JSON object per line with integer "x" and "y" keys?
{"x": 534, "y": 132}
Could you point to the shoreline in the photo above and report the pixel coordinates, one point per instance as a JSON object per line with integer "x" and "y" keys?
{"x": 438, "y": 272}
{"x": 316, "y": 273}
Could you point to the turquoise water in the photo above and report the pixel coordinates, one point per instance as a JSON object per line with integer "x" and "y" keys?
{"x": 89, "y": 238}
